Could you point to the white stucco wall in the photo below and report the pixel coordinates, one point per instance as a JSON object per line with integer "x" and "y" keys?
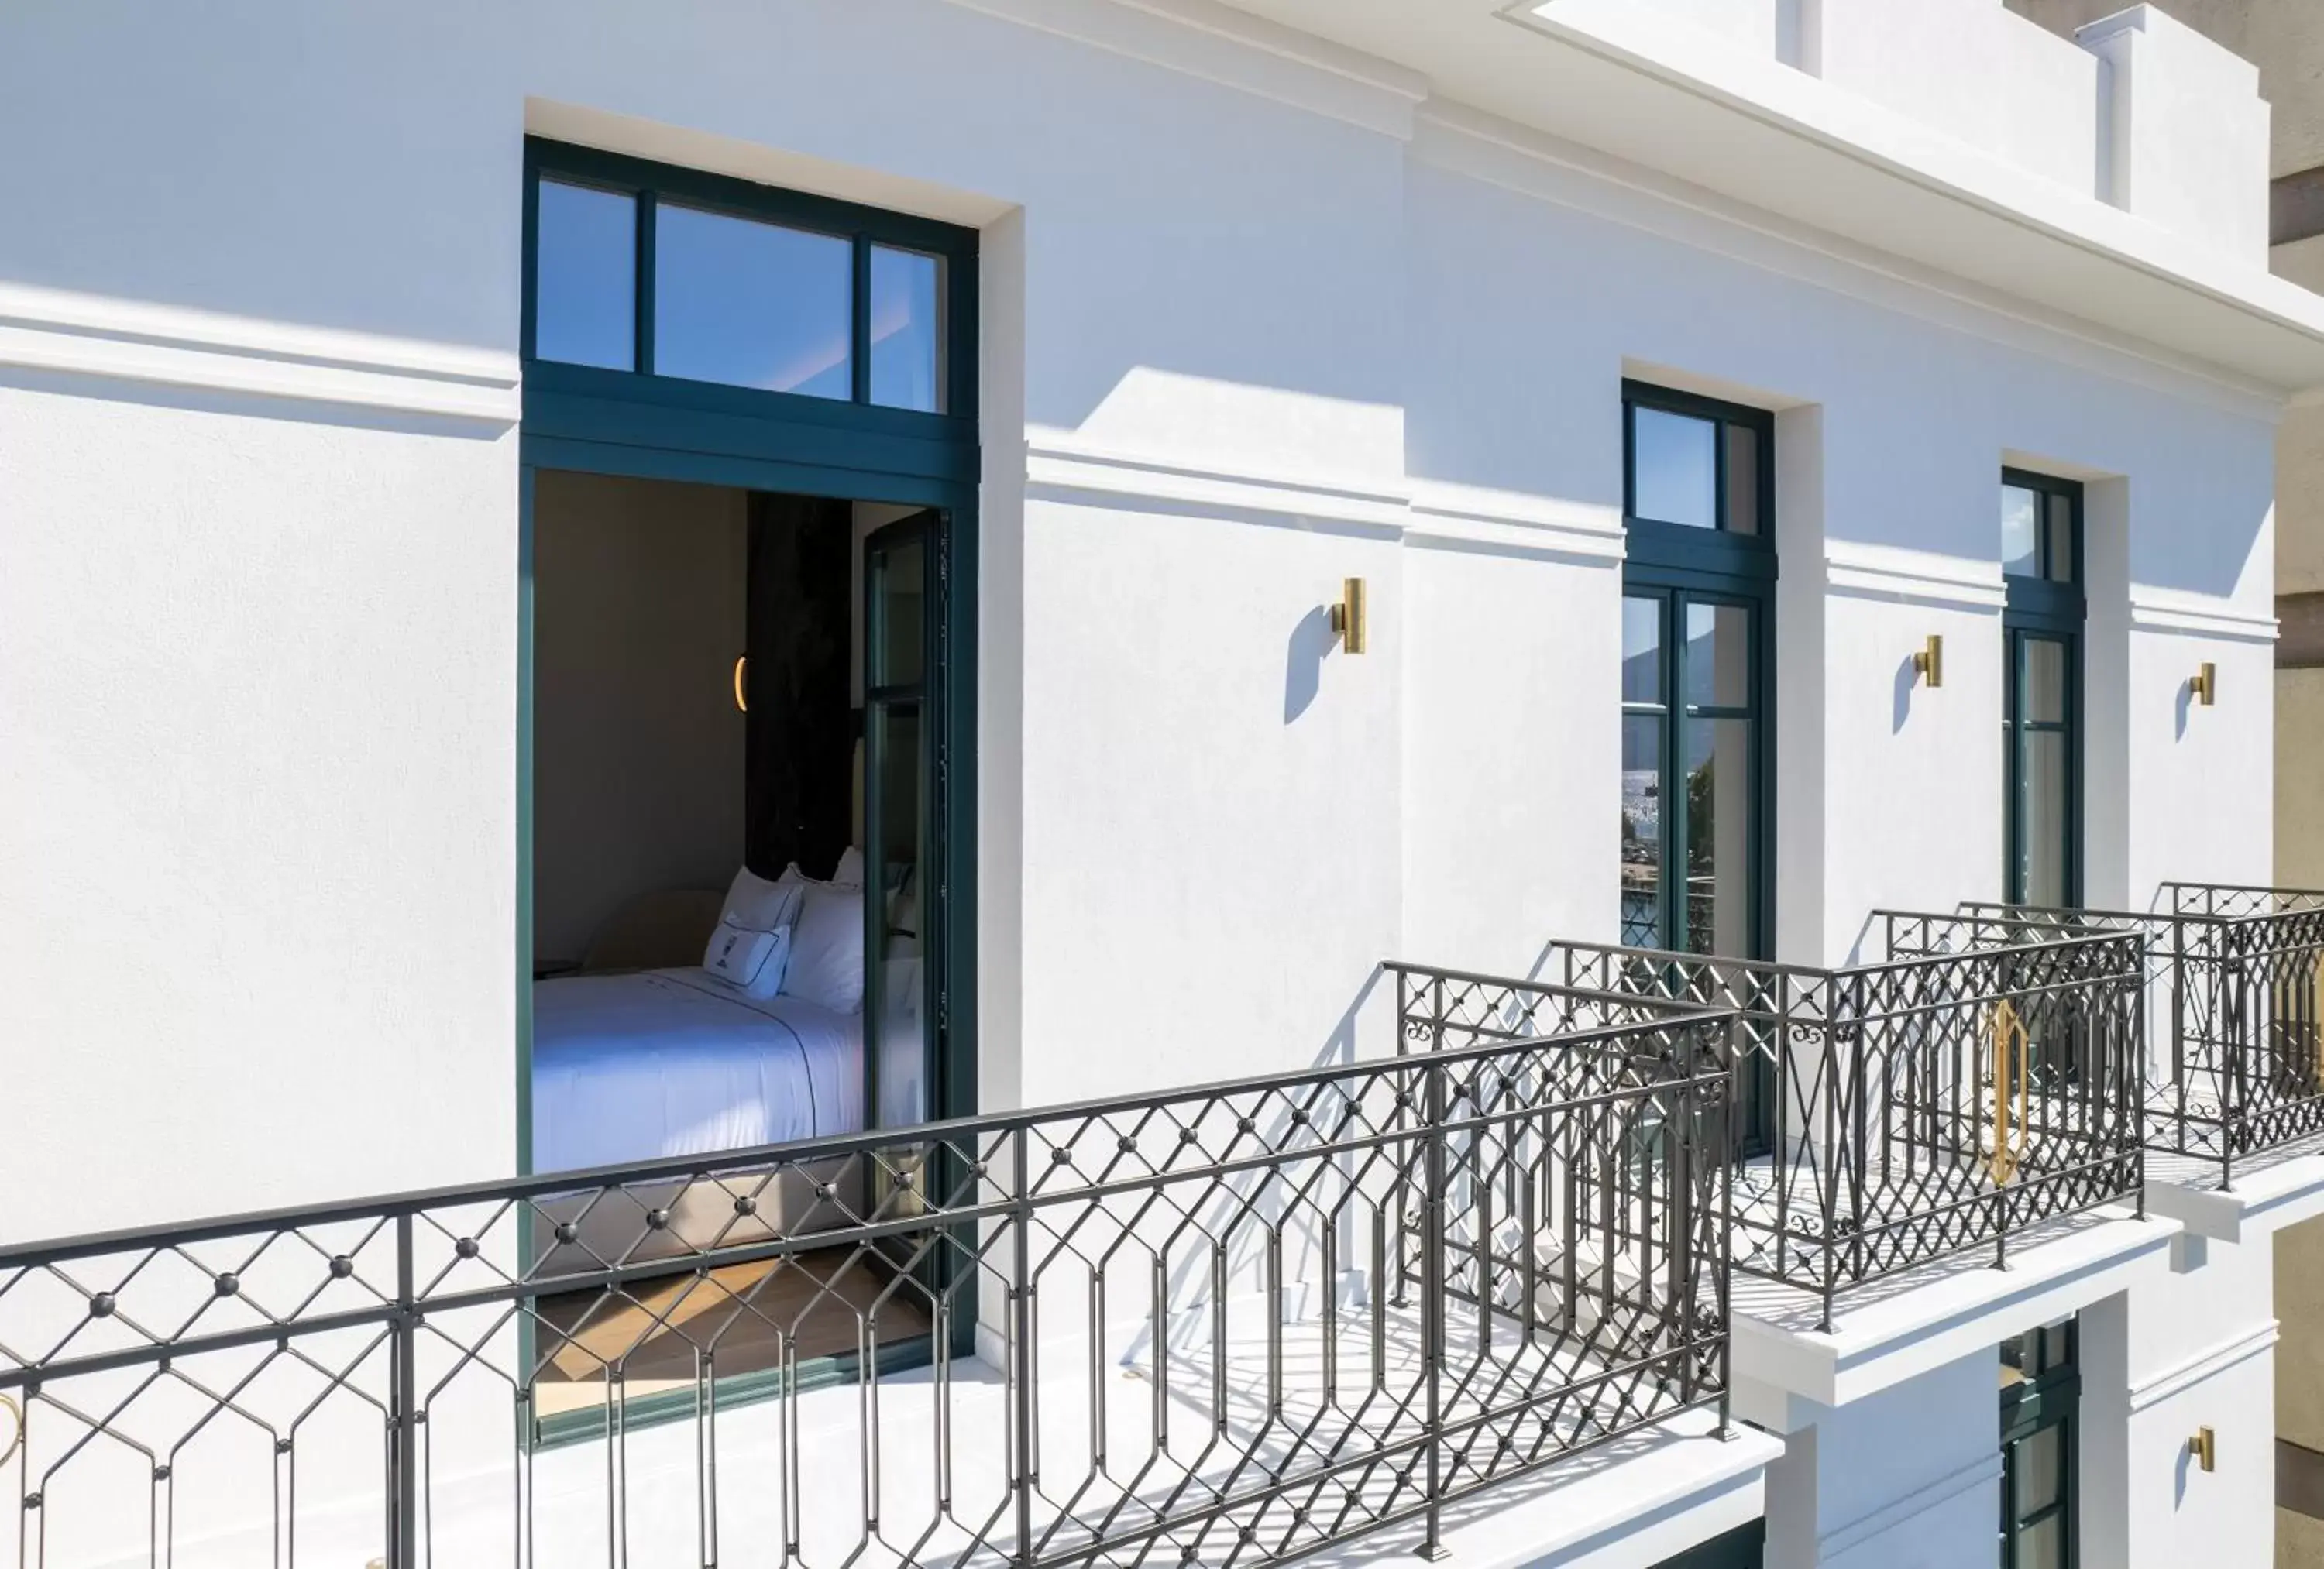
{"x": 1252, "y": 326}
{"x": 1379, "y": 349}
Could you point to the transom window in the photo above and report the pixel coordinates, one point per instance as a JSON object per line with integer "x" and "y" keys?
{"x": 2038, "y": 530}
{"x": 1694, "y": 466}
{"x": 698, "y": 278}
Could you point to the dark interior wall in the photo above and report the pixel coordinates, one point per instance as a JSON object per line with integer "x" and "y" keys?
{"x": 799, "y": 746}
{"x": 638, "y": 751}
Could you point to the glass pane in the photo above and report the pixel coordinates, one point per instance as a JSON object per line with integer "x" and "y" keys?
{"x": 896, "y": 984}
{"x": 1674, "y": 468}
{"x": 1742, "y": 479}
{"x": 2042, "y": 853}
{"x": 2021, "y": 541}
{"x": 584, "y": 277}
{"x": 2061, "y": 538}
{"x": 2043, "y": 1546}
{"x": 1642, "y": 650}
{"x": 1718, "y": 656}
{"x": 908, "y": 330}
{"x": 752, "y": 304}
{"x": 2041, "y": 1469}
{"x": 1717, "y": 836}
{"x": 899, "y": 656}
{"x": 2046, "y": 682}
{"x": 1642, "y": 831}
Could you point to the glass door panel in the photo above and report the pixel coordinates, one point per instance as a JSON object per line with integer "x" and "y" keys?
{"x": 1717, "y": 806}
{"x": 2040, "y": 724}
{"x": 897, "y": 1039}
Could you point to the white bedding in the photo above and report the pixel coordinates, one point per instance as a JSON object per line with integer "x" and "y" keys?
{"x": 672, "y": 1062}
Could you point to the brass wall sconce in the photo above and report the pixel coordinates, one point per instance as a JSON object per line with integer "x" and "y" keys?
{"x": 2204, "y": 687}
{"x": 1348, "y": 617}
{"x": 1929, "y": 663}
{"x": 742, "y": 684}
{"x": 2202, "y": 1448}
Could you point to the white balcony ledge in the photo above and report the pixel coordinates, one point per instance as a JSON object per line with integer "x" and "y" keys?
{"x": 1897, "y": 1328}
{"x": 2273, "y": 1190}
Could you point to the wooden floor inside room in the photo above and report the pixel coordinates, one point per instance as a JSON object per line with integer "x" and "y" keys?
{"x": 748, "y": 1316}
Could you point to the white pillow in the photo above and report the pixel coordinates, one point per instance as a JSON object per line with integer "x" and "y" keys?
{"x": 849, "y": 872}
{"x": 826, "y": 955}
{"x": 756, "y": 905}
{"x": 752, "y": 962}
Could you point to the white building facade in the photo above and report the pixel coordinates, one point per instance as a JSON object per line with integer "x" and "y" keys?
{"x": 1666, "y": 374}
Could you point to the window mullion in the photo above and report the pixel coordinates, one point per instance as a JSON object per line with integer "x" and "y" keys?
{"x": 645, "y": 298}
{"x": 859, "y": 325}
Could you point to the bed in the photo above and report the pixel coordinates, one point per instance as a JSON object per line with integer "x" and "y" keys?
{"x": 672, "y": 1063}
{"x": 666, "y": 1063}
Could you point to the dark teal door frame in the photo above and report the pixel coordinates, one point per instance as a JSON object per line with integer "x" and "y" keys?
{"x": 632, "y": 423}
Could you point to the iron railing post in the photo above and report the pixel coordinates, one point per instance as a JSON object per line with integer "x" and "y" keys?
{"x": 403, "y": 1408}
{"x": 1431, "y": 1305}
{"x": 1023, "y": 1478}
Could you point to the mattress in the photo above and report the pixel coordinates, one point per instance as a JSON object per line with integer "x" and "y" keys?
{"x": 672, "y": 1063}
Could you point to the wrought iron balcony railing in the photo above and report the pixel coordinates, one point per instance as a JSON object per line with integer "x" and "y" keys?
{"x": 2234, "y": 1058}
{"x": 1894, "y": 1113}
{"x": 1226, "y": 1324}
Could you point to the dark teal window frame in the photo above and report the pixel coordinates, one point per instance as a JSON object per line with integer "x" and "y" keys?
{"x": 2040, "y": 607}
{"x": 2050, "y": 1397}
{"x": 636, "y": 424}
{"x": 1678, "y": 566}
{"x": 820, "y": 445}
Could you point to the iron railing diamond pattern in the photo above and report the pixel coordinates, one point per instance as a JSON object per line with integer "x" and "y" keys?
{"x": 1227, "y": 1325}
{"x": 1866, "y": 1139}
{"x": 2234, "y": 1056}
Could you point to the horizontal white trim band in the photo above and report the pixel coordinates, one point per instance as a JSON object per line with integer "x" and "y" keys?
{"x": 2162, "y": 615}
{"x": 1894, "y": 571}
{"x": 1423, "y": 512}
{"x": 52, "y": 330}
{"x": 1058, "y": 462}
{"x": 2201, "y": 1366}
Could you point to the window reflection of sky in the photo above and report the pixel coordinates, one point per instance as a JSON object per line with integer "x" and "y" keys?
{"x": 751, "y": 304}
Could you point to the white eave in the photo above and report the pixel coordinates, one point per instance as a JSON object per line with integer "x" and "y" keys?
{"x": 1758, "y": 132}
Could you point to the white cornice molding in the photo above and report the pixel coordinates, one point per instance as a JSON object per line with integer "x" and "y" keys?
{"x": 1220, "y": 43}
{"x": 1984, "y": 1470}
{"x": 1062, "y": 467}
{"x": 1517, "y": 158}
{"x": 1919, "y": 576}
{"x": 52, "y": 330}
{"x": 2202, "y": 1365}
{"x": 2160, "y": 611}
{"x": 1469, "y": 517}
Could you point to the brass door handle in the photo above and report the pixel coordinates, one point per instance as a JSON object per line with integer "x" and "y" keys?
{"x": 741, "y": 684}
{"x": 2006, "y": 1029}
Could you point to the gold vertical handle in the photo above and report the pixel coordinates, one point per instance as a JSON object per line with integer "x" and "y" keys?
{"x": 2007, "y": 1029}
{"x": 742, "y": 684}
{"x": 16, "y": 1427}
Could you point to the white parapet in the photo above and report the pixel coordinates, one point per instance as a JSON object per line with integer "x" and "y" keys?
{"x": 2186, "y": 131}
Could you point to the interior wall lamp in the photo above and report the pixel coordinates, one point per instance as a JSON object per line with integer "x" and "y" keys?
{"x": 1348, "y": 617}
{"x": 2203, "y": 1448}
{"x": 2204, "y": 687}
{"x": 1929, "y": 663}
